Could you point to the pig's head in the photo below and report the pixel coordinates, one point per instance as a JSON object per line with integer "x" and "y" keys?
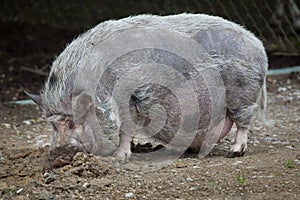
{"x": 76, "y": 128}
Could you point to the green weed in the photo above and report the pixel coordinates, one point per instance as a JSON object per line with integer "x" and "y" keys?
{"x": 289, "y": 164}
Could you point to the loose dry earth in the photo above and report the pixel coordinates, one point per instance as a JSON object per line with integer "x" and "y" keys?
{"x": 271, "y": 166}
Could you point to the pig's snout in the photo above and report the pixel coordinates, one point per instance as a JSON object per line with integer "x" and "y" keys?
{"x": 61, "y": 156}
{"x": 61, "y": 161}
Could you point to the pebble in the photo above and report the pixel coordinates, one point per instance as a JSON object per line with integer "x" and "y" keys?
{"x": 46, "y": 174}
{"x": 129, "y": 195}
{"x": 297, "y": 162}
{"x": 86, "y": 185}
{"x": 276, "y": 142}
{"x": 237, "y": 162}
{"x": 295, "y": 140}
{"x": 282, "y": 89}
{"x": 6, "y": 125}
{"x": 19, "y": 190}
{"x": 137, "y": 177}
{"x": 269, "y": 139}
{"x": 189, "y": 179}
{"x": 289, "y": 99}
{"x": 270, "y": 176}
{"x": 27, "y": 122}
{"x": 290, "y": 147}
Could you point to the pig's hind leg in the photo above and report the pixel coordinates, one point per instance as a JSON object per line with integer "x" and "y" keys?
{"x": 226, "y": 128}
{"x": 242, "y": 118}
{"x": 123, "y": 152}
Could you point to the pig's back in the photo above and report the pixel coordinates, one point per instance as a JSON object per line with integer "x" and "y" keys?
{"x": 217, "y": 35}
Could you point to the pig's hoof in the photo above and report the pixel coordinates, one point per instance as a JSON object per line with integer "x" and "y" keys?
{"x": 237, "y": 150}
{"x": 235, "y": 154}
{"x": 123, "y": 155}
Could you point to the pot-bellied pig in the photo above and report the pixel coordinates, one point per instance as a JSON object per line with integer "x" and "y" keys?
{"x": 164, "y": 74}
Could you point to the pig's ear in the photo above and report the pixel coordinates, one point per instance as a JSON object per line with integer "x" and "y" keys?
{"x": 82, "y": 104}
{"x": 36, "y": 98}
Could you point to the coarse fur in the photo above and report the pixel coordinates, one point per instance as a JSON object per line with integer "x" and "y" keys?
{"x": 236, "y": 53}
{"x": 248, "y": 48}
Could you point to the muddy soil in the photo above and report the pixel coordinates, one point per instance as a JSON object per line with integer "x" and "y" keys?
{"x": 271, "y": 166}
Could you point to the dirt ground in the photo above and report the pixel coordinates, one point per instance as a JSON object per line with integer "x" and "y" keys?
{"x": 271, "y": 166}
{"x": 270, "y": 169}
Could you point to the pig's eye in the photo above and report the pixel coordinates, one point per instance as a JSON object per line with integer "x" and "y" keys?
{"x": 71, "y": 124}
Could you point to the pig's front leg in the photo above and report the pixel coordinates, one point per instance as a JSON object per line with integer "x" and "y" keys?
{"x": 123, "y": 152}
{"x": 240, "y": 145}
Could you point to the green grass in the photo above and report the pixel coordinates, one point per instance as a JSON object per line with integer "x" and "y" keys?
{"x": 289, "y": 164}
{"x": 241, "y": 179}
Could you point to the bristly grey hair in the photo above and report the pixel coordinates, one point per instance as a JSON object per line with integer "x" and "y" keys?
{"x": 240, "y": 44}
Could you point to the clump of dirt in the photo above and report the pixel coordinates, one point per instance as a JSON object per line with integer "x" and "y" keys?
{"x": 28, "y": 171}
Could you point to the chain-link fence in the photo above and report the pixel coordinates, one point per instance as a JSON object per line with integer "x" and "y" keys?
{"x": 276, "y": 22}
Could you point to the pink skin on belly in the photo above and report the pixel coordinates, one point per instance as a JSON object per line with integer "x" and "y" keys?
{"x": 226, "y": 128}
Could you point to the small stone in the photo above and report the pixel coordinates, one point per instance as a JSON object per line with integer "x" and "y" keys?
{"x": 137, "y": 177}
{"x": 295, "y": 140}
{"x": 282, "y": 89}
{"x": 129, "y": 195}
{"x": 6, "y": 125}
{"x": 276, "y": 142}
{"x": 19, "y": 190}
{"x": 289, "y": 99}
{"x": 237, "y": 162}
{"x": 189, "y": 179}
{"x": 268, "y": 139}
{"x": 86, "y": 185}
{"x": 290, "y": 147}
{"x": 297, "y": 162}
{"x": 27, "y": 122}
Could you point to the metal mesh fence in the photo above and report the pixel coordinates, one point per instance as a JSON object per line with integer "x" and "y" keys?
{"x": 276, "y": 22}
